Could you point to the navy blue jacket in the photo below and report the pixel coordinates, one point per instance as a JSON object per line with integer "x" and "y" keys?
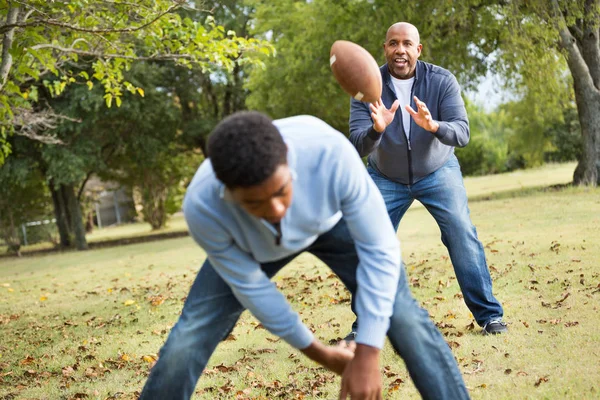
{"x": 408, "y": 161}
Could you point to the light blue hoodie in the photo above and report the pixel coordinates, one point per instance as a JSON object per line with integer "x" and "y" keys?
{"x": 330, "y": 183}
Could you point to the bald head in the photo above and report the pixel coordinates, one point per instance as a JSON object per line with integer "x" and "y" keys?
{"x": 406, "y": 28}
{"x": 402, "y": 49}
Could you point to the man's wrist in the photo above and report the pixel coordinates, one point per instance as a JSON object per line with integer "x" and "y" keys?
{"x": 373, "y": 134}
{"x": 434, "y": 126}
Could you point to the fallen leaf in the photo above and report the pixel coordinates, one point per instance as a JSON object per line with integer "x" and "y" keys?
{"x": 27, "y": 360}
{"x": 396, "y": 382}
{"x": 150, "y": 358}
{"x": 43, "y": 298}
{"x": 129, "y": 302}
{"x": 224, "y": 368}
{"x": 540, "y": 380}
{"x": 157, "y": 300}
{"x": 564, "y": 297}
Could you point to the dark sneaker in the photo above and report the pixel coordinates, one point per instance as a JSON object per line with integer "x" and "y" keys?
{"x": 495, "y": 327}
{"x": 350, "y": 337}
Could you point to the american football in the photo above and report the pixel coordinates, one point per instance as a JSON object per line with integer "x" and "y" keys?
{"x": 356, "y": 71}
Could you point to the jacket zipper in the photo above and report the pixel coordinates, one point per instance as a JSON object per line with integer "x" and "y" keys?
{"x": 410, "y": 170}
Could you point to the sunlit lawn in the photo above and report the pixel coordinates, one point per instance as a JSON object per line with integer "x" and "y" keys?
{"x": 89, "y": 324}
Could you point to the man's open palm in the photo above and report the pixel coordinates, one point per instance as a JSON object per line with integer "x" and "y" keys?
{"x": 422, "y": 116}
{"x": 381, "y": 116}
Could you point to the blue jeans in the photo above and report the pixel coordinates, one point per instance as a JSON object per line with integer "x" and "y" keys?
{"x": 443, "y": 194}
{"x": 211, "y": 311}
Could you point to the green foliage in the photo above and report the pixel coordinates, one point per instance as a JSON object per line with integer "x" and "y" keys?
{"x": 50, "y": 38}
{"x": 24, "y": 199}
{"x": 487, "y": 151}
{"x": 520, "y": 135}
{"x": 299, "y": 79}
{"x": 140, "y": 145}
{"x": 565, "y": 138}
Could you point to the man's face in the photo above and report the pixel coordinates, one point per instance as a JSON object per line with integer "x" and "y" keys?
{"x": 402, "y": 50}
{"x": 269, "y": 200}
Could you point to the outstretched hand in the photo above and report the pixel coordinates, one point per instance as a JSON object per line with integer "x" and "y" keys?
{"x": 422, "y": 116}
{"x": 381, "y": 116}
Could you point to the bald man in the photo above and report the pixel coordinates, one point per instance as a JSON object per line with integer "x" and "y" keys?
{"x": 409, "y": 136}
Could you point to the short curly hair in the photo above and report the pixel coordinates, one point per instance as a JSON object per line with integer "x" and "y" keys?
{"x": 245, "y": 149}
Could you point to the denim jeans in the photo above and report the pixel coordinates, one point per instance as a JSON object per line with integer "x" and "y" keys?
{"x": 443, "y": 194}
{"x": 211, "y": 311}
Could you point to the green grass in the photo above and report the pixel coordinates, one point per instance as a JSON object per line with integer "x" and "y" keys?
{"x": 90, "y": 323}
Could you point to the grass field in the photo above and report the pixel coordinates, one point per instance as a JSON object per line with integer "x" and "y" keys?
{"x": 89, "y": 324}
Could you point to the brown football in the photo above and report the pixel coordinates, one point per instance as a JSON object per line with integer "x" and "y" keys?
{"x": 356, "y": 71}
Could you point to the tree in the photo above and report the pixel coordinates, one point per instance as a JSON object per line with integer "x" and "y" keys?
{"x": 206, "y": 97}
{"x": 61, "y": 44}
{"x": 58, "y": 38}
{"x": 571, "y": 29}
{"x": 148, "y": 151}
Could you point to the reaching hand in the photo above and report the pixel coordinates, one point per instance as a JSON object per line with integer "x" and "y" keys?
{"x": 340, "y": 357}
{"x": 381, "y": 116}
{"x": 334, "y": 358}
{"x": 422, "y": 116}
{"x": 362, "y": 378}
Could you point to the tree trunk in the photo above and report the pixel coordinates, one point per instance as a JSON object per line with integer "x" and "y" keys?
{"x": 154, "y": 197}
{"x": 582, "y": 56}
{"x": 12, "y": 238}
{"x": 68, "y": 217}
{"x": 60, "y": 213}
{"x": 75, "y": 217}
{"x": 89, "y": 222}
{"x": 588, "y": 169}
